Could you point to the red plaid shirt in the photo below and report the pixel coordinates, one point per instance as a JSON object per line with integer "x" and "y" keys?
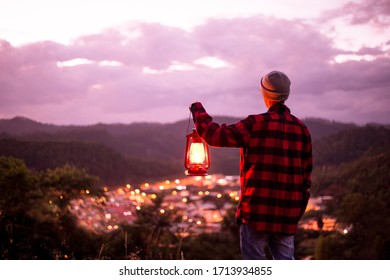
{"x": 275, "y": 165}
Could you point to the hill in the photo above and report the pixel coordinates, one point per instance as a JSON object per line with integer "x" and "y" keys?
{"x": 110, "y": 166}
{"x": 120, "y": 152}
{"x": 143, "y": 140}
{"x": 350, "y": 144}
{"x": 20, "y": 126}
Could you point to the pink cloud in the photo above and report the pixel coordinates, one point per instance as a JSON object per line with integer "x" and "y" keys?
{"x": 376, "y": 12}
{"x": 110, "y": 83}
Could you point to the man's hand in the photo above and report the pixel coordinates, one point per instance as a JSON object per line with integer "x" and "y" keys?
{"x": 196, "y": 106}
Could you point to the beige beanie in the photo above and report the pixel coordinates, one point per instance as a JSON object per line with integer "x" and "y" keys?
{"x": 275, "y": 86}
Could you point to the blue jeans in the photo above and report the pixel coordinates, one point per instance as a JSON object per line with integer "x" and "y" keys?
{"x": 254, "y": 244}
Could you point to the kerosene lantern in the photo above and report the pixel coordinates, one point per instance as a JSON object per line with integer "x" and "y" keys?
{"x": 197, "y": 159}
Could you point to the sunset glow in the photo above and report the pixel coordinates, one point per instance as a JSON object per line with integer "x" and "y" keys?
{"x": 125, "y": 61}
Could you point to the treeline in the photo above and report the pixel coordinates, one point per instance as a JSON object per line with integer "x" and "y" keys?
{"x": 111, "y": 167}
{"x": 334, "y": 153}
{"x": 117, "y": 153}
{"x": 143, "y": 150}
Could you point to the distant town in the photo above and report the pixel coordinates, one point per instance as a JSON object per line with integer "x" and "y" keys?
{"x": 193, "y": 204}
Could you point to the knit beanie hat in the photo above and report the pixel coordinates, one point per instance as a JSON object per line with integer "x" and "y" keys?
{"x": 275, "y": 86}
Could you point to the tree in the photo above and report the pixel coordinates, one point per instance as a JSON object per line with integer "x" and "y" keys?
{"x": 34, "y": 219}
{"x": 63, "y": 184}
{"x": 329, "y": 247}
{"x": 16, "y": 183}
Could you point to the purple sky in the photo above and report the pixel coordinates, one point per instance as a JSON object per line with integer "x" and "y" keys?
{"x": 152, "y": 69}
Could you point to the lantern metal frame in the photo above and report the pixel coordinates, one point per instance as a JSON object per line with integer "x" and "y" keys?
{"x": 196, "y": 168}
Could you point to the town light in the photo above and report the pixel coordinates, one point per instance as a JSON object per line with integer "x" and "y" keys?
{"x": 197, "y": 159}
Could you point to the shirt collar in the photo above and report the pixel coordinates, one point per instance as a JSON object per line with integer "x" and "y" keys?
{"x": 279, "y": 107}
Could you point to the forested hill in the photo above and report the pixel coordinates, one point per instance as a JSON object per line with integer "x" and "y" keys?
{"x": 24, "y": 126}
{"x": 107, "y": 164}
{"x": 144, "y": 140}
{"x": 145, "y": 151}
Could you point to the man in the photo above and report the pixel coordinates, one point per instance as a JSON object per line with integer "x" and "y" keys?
{"x": 275, "y": 168}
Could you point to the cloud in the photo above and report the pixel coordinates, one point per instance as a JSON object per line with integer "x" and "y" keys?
{"x": 152, "y": 72}
{"x": 375, "y": 12}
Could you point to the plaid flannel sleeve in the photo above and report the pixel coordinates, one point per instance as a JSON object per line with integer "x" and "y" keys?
{"x": 235, "y": 135}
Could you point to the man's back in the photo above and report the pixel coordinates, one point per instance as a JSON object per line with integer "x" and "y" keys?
{"x": 275, "y": 171}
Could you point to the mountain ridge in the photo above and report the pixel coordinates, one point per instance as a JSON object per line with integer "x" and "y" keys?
{"x": 20, "y": 125}
{"x": 140, "y": 151}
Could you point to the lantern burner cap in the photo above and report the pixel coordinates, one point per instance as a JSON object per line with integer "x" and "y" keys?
{"x": 196, "y": 172}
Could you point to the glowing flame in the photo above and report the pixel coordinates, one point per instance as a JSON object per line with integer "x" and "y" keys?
{"x": 197, "y": 153}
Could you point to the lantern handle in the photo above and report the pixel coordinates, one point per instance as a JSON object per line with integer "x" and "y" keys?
{"x": 188, "y": 125}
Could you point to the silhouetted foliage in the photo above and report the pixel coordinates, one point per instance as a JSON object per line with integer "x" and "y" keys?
{"x": 363, "y": 202}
